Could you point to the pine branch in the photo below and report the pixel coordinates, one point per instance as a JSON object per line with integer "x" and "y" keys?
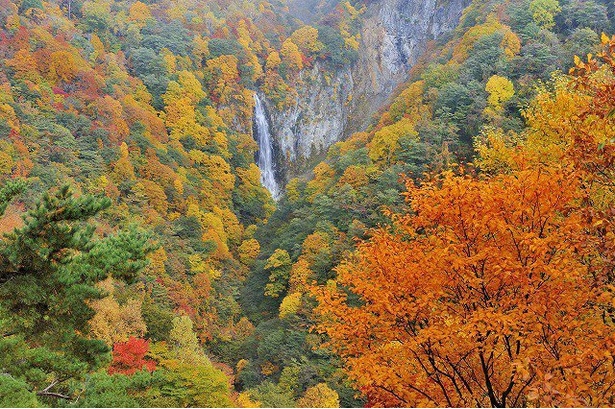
{"x": 46, "y": 392}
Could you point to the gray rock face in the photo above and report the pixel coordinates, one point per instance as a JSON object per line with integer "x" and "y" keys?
{"x": 394, "y": 34}
{"x": 315, "y": 121}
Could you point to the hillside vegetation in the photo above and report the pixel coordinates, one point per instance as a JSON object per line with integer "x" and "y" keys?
{"x": 458, "y": 252}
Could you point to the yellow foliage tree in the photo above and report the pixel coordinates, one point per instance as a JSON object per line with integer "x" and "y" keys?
{"x": 490, "y": 26}
{"x": 225, "y": 74}
{"x": 200, "y": 49}
{"x": 319, "y": 396}
{"x": 300, "y": 275}
{"x": 219, "y": 172}
{"x": 544, "y": 12}
{"x": 99, "y": 48}
{"x": 495, "y": 150}
{"x": 63, "y": 66}
{"x": 6, "y": 164}
{"x": 189, "y": 372}
{"x": 355, "y": 176}
{"x": 292, "y": 190}
{"x": 155, "y": 195}
{"x": 8, "y": 114}
{"x": 511, "y": 43}
{"x": 306, "y": 38}
{"x": 232, "y": 227}
{"x": 139, "y": 13}
{"x": 323, "y": 175}
{"x": 291, "y": 55}
{"x": 290, "y": 305}
{"x": 24, "y": 65}
{"x": 385, "y": 143}
{"x": 123, "y": 169}
{"x": 183, "y": 338}
{"x": 500, "y": 90}
{"x": 248, "y": 251}
{"x": 315, "y": 245}
{"x": 278, "y": 266}
{"x": 186, "y": 86}
{"x": 273, "y": 61}
{"x": 157, "y": 259}
{"x": 213, "y": 228}
{"x": 245, "y": 401}
{"x": 113, "y": 322}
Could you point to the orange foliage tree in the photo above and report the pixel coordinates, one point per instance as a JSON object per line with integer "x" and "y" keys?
{"x": 63, "y": 66}
{"x": 496, "y": 291}
{"x": 477, "y": 300}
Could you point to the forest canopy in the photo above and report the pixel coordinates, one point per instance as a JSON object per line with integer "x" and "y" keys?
{"x": 457, "y": 251}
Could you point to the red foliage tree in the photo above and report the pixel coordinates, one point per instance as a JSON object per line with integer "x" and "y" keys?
{"x": 129, "y": 357}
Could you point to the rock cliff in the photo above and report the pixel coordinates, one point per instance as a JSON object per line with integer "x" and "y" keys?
{"x": 394, "y": 34}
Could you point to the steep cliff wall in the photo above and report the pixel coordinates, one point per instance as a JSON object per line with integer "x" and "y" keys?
{"x": 394, "y": 35}
{"x": 316, "y": 120}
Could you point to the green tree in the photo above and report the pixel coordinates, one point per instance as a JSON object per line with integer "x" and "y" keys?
{"x": 15, "y": 393}
{"x": 190, "y": 378}
{"x": 49, "y": 269}
{"x": 271, "y": 395}
{"x": 278, "y": 266}
{"x": 29, "y": 4}
{"x": 143, "y": 389}
{"x": 8, "y": 191}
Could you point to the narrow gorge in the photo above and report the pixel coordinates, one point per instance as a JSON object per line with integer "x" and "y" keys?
{"x": 329, "y": 107}
{"x": 307, "y": 203}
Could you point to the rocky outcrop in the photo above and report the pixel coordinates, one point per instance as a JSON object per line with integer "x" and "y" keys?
{"x": 394, "y": 34}
{"x": 315, "y": 121}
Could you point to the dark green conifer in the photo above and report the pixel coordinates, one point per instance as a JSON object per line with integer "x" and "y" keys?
{"x": 49, "y": 269}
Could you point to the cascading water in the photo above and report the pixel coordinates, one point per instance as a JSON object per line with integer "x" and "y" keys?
{"x": 265, "y": 148}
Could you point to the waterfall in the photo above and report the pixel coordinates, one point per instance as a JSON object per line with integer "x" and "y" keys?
{"x": 265, "y": 148}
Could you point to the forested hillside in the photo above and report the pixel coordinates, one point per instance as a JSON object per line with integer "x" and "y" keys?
{"x": 456, "y": 252}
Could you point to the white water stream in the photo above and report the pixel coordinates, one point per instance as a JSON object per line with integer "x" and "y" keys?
{"x": 265, "y": 159}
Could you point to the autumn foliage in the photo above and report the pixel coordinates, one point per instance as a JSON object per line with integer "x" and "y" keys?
{"x": 129, "y": 357}
{"x": 145, "y": 108}
{"x": 495, "y": 290}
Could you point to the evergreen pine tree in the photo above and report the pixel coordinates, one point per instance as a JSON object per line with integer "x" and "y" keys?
{"x": 49, "y": 269}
